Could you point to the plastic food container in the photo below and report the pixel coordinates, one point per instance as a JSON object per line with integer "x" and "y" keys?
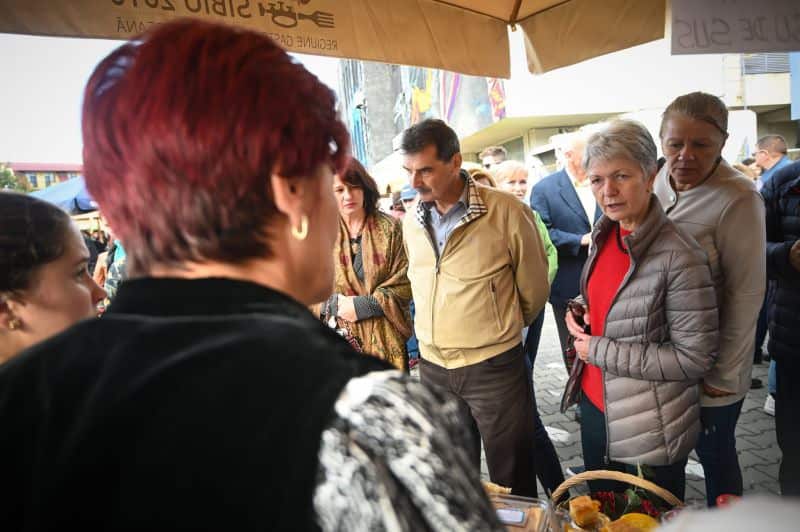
{"x": 522, "y": 514}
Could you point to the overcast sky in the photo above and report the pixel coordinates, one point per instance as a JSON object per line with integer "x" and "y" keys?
{"x": 41, "y": 86}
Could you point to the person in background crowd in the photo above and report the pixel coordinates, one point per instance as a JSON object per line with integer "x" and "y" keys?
{"x": 101, "y": 268}
{"x": 94, "y": 249}
{"x": 101, "y": 239}
{"x": 750, "y": 169}
{"x": 651, "y": 306}
{"x": 116, "y": 270}
{"x": 536, "y": 170}
{"x": 747, "y": 169}
{"x": 722, "y": 210}
{"x": 208, "y": 397}
{"x": 512, "y": 176}
{"x": 492, "y": 156}
{"x": 567, "y": 206}
{"x": 398, "y": 210}
{"x": 483, "y": 178}
{"x": 44, "y": 283}
{"x": 782, "y": 199}
{"x": 371, "y": 291}
{"x": 474, "y": 257}
{"x": 770, "y": 156}
{"x": 409, "y": 197}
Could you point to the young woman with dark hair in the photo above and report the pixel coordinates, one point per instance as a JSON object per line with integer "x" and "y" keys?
{"x": 371, "y": 291}
{"x": 208, "y": 397}
{"x": 44, "y": 283}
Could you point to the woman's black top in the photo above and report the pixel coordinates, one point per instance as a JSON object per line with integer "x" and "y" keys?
{"x": 212, "y": 404}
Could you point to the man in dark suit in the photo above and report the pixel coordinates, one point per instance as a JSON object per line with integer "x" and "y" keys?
{"x": 782, "y": 198}
{"x": 566, "y": 204}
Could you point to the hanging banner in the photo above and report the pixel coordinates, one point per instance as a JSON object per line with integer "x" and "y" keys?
{"x": 465, "y": 36}
{"x": 735, "y": 26}
{"x": 391, "y": 31}
{"x": 794, "y": 80}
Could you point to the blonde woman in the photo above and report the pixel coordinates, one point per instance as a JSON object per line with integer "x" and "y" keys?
{"x": 512, "y": 177}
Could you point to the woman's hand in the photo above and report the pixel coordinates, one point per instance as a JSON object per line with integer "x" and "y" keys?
{"x": 581, "y": 344}
{"x": 581, "y": 338}
{"x": 346, "y": 308}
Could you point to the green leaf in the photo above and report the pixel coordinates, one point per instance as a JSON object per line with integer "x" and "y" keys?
{"x": 634, "y": 501}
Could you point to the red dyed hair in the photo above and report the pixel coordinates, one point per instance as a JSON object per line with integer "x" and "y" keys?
{"x": 182, "y": 129}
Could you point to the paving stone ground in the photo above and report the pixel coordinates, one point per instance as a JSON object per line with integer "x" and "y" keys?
{"x": 759, "y": 455}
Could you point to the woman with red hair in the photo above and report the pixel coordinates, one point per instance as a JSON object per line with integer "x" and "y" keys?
{"x": 208, "y": 396}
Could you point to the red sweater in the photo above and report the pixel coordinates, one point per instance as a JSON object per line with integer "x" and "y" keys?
{"x": 609, "y": 270}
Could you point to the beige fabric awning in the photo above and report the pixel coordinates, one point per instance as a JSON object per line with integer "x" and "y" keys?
{"x": 466, "y": 36}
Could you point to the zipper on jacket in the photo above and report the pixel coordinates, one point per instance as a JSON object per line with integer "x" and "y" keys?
{"x": 591, "y": 260}
{"x": 605, "y": 391}
{"x": 438, "y": 269}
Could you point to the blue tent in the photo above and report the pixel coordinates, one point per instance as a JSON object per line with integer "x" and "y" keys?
{"x": 70, "y": 195}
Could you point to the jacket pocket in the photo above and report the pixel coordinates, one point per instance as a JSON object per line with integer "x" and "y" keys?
{"x": 495, "y": 308}
{"x": 468, "y": 315}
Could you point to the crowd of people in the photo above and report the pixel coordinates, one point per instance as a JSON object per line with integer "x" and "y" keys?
{"x": 250, "y": 371}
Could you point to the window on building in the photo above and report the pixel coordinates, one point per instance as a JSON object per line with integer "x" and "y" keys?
{"x": 515, "y": 149}
{"x": 48, "y": 180}
{"x": 32, "y": 179}
{"x": 767, "y": 63}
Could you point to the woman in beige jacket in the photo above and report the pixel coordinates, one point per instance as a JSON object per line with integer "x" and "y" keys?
{"x": 650, "y": 303}
{"x": 722, "y": 210}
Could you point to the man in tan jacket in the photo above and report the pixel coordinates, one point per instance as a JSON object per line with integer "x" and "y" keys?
{"x": 478, "y": 273}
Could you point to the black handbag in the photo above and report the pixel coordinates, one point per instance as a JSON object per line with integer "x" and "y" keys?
{"x": 342, "y": 329}
{"x": 572, "y": 391}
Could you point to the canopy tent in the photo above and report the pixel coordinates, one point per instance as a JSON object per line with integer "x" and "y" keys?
{"x": 70, "y": 195}
{"x": 90, "y": 221}
{"x": 466, "y": 36}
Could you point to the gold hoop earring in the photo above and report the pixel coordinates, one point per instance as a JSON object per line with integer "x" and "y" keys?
{"x": 13, "y": 324}
{"x": 302, "y": 233}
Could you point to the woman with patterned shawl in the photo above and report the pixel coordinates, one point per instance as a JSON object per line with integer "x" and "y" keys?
{"x": 371, "y": 291}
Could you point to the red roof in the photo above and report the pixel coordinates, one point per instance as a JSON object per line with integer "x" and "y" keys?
{"x": 46, "y": 167}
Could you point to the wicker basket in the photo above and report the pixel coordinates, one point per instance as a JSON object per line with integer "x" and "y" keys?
{"x": 560, "y": 518}
{"x": 602, "y": 474}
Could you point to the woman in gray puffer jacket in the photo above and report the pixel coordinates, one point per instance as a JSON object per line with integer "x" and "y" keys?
{"x": 650, "y": 302}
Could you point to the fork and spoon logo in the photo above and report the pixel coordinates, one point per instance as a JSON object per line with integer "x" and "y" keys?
{"x": 286, "y": 16}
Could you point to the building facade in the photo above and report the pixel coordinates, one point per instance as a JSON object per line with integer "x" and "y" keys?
{"x": 42, "y": 175}
{"x": 525, "y": 111}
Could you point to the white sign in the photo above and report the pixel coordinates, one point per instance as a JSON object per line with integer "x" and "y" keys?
{"x": 735, "y": 26}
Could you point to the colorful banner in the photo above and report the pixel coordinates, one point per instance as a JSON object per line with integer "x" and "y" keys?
{"x": 794, "y": 77}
